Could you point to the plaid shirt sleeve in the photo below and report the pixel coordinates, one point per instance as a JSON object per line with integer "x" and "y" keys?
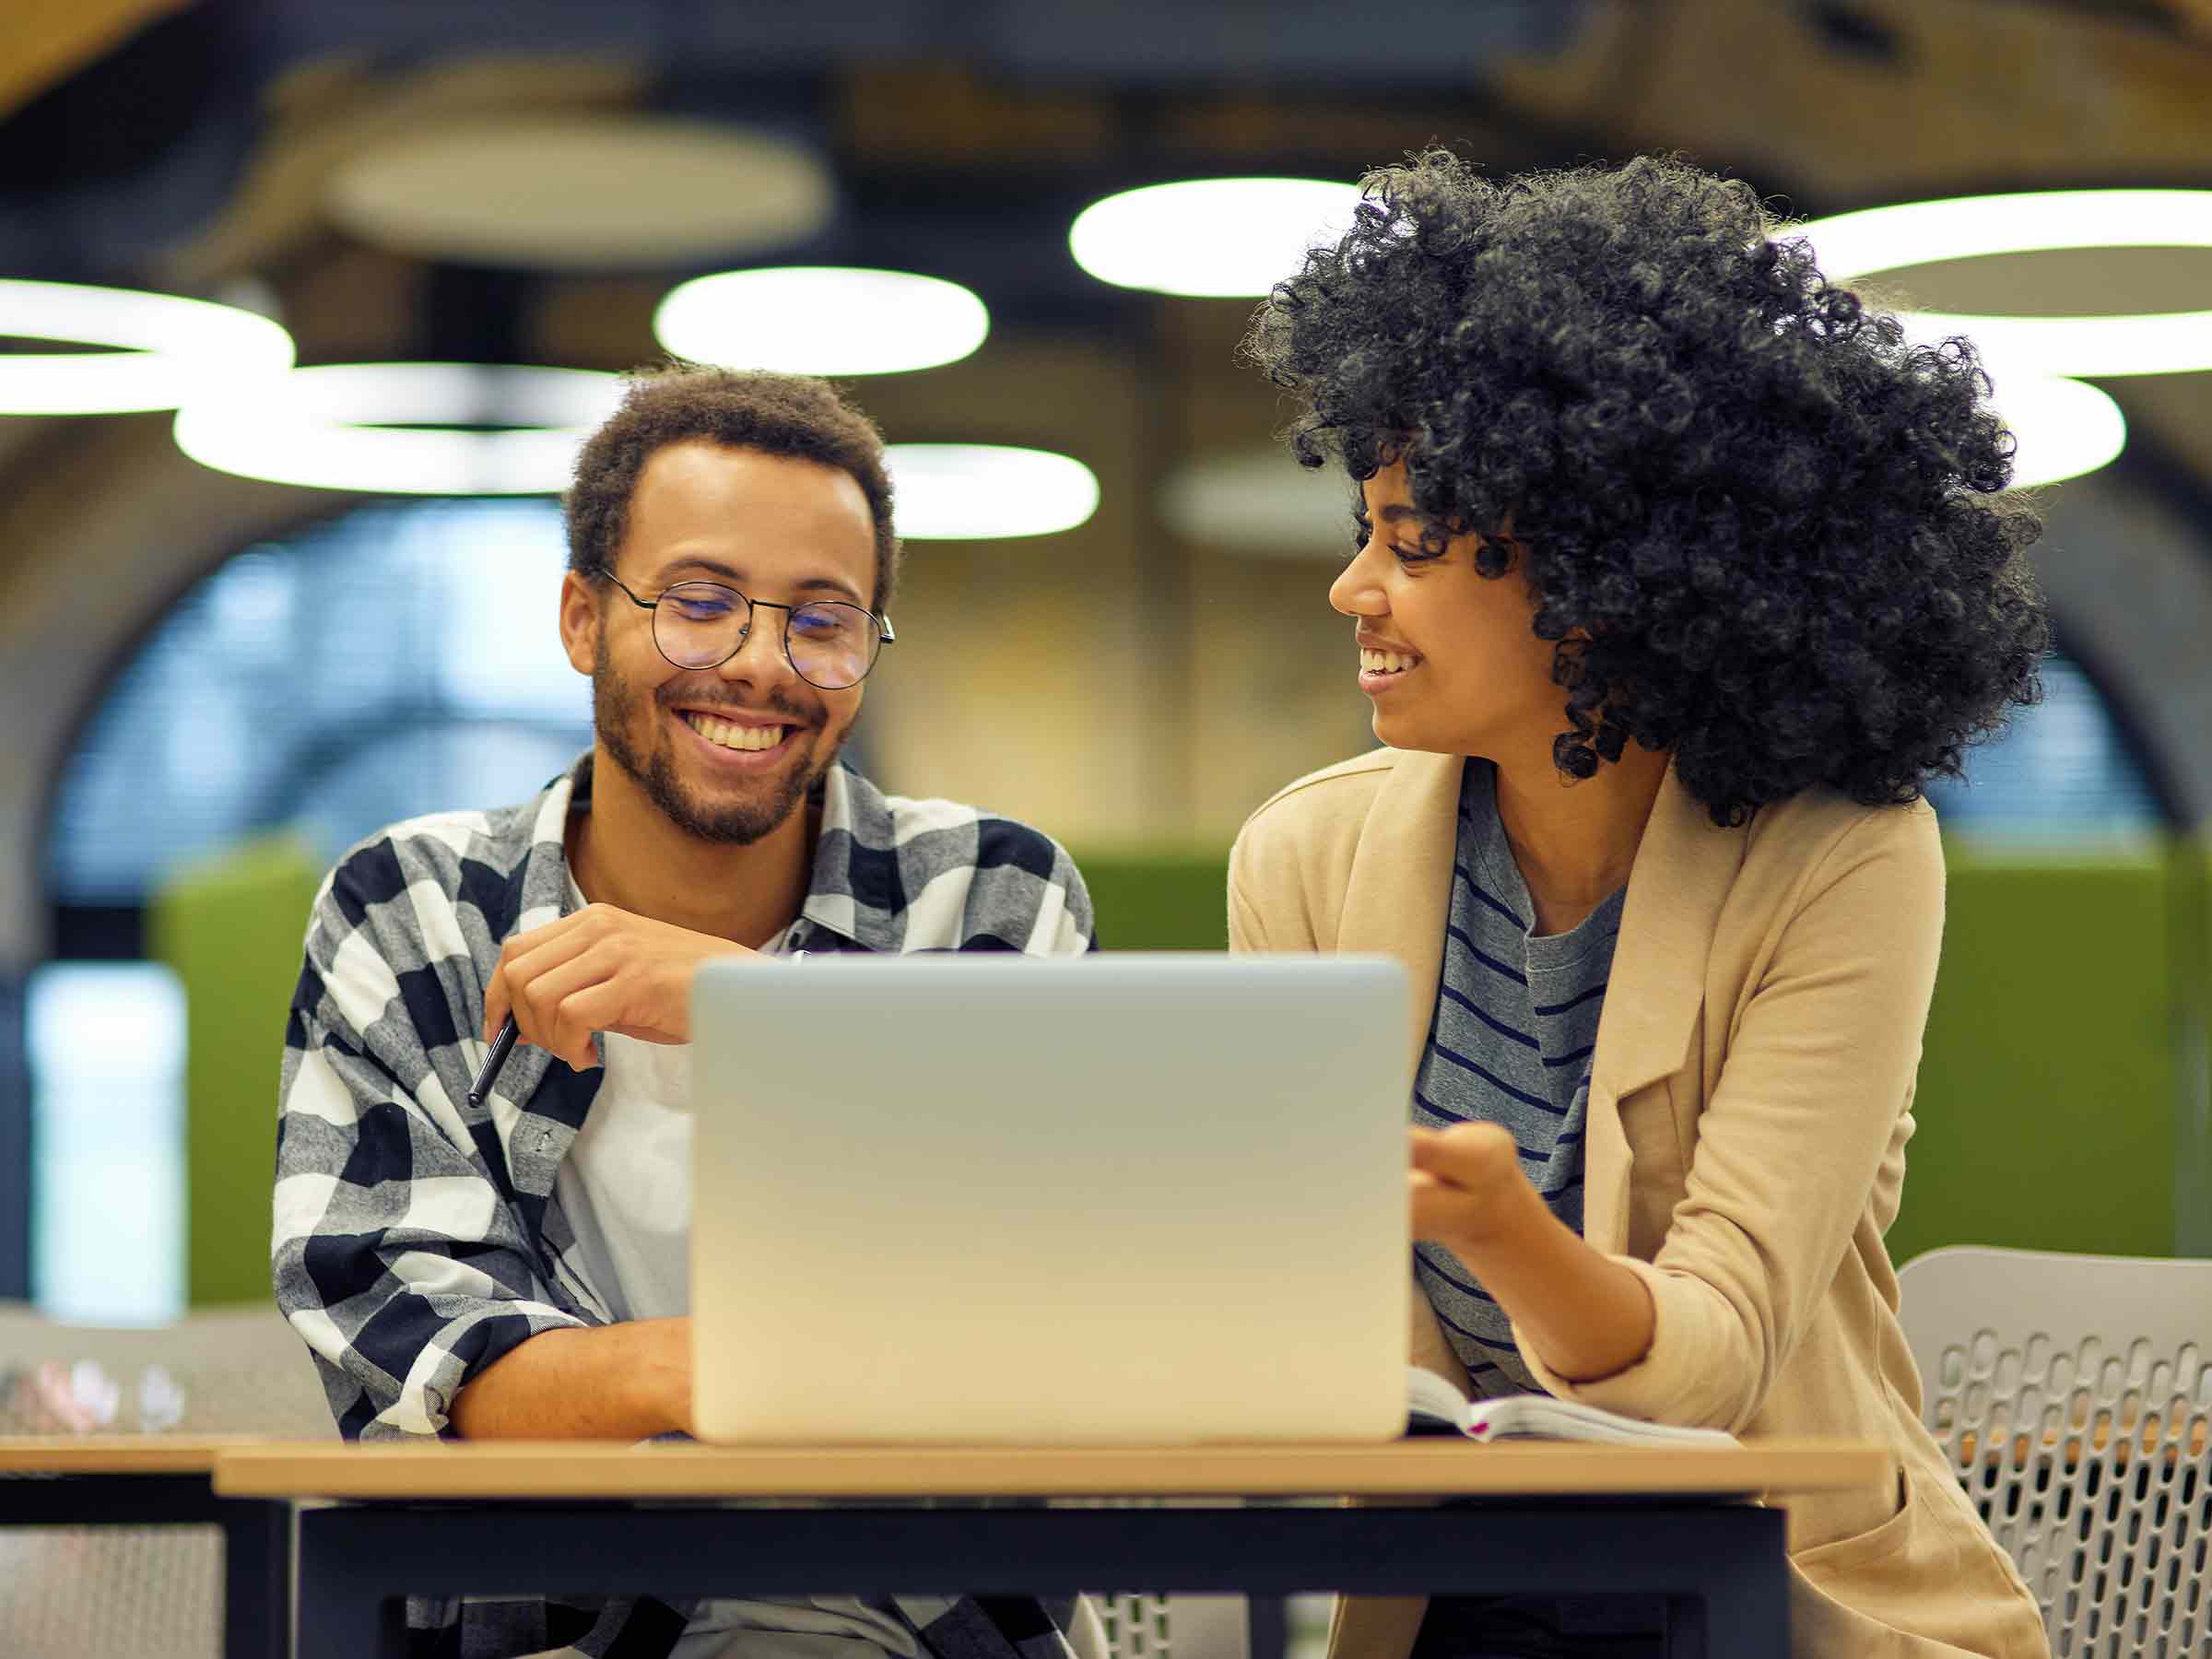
{"x": 397, "y": 1250}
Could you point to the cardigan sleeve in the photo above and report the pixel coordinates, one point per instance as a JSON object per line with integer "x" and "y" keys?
{"x": 1816, "y": 1077}
{"x": 1286, "y": 869}
{"x": 1247, "y": 926}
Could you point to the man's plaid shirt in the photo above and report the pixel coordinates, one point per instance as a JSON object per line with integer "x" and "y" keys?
{"x": 416, "y": 1240}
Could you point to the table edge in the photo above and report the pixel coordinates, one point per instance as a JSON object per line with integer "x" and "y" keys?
{"x": 438, "y": 1472}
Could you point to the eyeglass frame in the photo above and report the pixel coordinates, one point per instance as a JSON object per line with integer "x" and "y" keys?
{"x": 751, "y": 604}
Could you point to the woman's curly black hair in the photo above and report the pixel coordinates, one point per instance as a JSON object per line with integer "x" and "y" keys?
{"x": 1766, "y": 532}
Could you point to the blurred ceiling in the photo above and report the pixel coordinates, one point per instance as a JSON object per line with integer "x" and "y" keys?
{"x": 206, "y": 148}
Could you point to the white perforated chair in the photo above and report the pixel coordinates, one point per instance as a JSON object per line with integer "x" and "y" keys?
{"x": 2074, "y": 1395}
{"x": 1172, "y": 1627}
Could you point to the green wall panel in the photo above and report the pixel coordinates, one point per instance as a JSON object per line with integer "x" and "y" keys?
{"x": 1172, "y": 902}
{"x": 2047, "y": 1091}
{"x": 233, "y": 930}
{"x": 2048, "y": 1102}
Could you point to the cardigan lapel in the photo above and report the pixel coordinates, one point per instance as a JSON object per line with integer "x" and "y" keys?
{"x": 1398, "y": 895}
{"x": 1684, "y": 866}
{"x": 1397, "y": 898}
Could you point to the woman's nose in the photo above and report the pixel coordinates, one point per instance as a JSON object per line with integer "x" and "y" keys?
{"x": 1355, "y": 593}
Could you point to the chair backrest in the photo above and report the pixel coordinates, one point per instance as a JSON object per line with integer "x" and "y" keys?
{"x": 1172, "y": 1627}
{"x": 2074, "y": 1395}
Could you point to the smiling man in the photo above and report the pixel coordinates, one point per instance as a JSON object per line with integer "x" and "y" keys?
{"x": 521, "y": 1269}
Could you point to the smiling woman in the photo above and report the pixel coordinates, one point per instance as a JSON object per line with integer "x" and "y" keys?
{"x": 1679, "y": 576}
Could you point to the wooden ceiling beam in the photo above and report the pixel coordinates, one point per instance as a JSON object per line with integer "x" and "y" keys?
{"x": 46, "y": 41}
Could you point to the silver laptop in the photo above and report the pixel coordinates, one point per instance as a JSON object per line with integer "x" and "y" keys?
{"x": 967, "y": 1198}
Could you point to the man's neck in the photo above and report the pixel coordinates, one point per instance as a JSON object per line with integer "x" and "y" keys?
{"x": 625, "y": 852}
{"x": 1574, "y": 843}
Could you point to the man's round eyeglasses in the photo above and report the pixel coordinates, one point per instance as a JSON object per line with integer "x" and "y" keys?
{"x": 829, "y": 643}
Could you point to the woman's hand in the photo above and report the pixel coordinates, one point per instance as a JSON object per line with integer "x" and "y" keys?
{"x": 1584, "y": 1314}
{"x": 600, "y": 969}
{"x": 1465, "y": 1186}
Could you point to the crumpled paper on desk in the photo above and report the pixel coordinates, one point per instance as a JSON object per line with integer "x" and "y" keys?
{"x": 56, "y": 1396}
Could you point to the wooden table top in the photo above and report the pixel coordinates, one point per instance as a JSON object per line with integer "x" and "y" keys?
{"x": 119, "y": 1454}
{"x": 445, "y": 1471}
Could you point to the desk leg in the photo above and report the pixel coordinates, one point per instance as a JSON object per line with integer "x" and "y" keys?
{"x": 347, "y": 1606}
{"x": 1266, "y": 1627}
{"x": 1742, "y": 1613}
{"x": 257, "y": 1581}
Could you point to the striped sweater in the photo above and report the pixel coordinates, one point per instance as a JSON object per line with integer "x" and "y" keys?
{"x": 1511, "y": 1043}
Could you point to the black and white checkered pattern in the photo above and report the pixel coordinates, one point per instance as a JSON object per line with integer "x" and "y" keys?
{"x": 416, "y": 1240}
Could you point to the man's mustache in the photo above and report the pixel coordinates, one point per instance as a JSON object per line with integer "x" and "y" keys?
{"x": 775, "y": 704}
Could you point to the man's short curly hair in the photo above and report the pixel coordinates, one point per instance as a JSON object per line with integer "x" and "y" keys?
{"x": 792, "y": 415}
{"x": 1766, "y": 532}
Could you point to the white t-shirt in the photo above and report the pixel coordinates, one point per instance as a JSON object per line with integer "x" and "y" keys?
{"x": 626, "y": 1190}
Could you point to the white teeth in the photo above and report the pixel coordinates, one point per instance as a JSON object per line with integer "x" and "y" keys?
{"x": 735, "y": 736}
{"x": 1385, "y": 662}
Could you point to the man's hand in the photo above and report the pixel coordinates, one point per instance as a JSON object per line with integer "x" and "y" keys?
{"x": 1464, "y": 1185}
{"x": 600, "y": 969}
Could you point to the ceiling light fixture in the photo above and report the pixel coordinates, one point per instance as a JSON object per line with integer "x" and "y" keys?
{"x": 581, "y": 190}
{"x": 403, "y": 429}
{"x": 1259, "y": 503}
{"x": 980, "y": 491}
{"x": 1223, "y": 237}
{"x": 821, "y": 320}
{"x": 170, "y": 348}
{"x": 1853, "y": 245}
{"x": 2063, "y": 428}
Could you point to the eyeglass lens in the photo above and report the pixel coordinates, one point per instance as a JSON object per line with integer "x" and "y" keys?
{"x": 702, "y": 624}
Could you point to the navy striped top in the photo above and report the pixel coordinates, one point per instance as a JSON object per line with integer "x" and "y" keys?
{"x": 1511, "y": 1043}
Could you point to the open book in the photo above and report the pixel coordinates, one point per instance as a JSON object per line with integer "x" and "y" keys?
{"x": 1434, "y": 1406}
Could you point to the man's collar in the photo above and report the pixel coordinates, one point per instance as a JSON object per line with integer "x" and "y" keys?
{"x": 856, "y": 820}
{"x": 856, "y": 817}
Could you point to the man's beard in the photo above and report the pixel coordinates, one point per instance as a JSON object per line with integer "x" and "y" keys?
{"x": 614, "y": 703}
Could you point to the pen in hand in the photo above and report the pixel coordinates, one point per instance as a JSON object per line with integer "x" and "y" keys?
{"x": 501, "y": 1046}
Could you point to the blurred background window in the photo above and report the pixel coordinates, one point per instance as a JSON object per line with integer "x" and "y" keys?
{"x": 2062, "y": 776}
{"x": 107, "y": 1190}
{"x": 397, "y": 660}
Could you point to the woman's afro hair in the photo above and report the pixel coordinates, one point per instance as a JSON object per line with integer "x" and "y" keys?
{"x": 1768, "y": 532}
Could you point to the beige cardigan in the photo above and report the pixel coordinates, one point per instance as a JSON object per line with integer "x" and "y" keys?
{"x": 1749, "y": 1103}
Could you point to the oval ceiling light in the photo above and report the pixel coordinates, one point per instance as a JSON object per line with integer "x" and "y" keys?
{"x": 170, "y": 348}
{"x": 984, "y": 491}
{"x": 584, "y": 192}
{"x": 404, "y": 428}
{"x": 2063, "y": 428}
{"x": 1852, "y": 245}
{"x": 821, "y": 320}
{"x": 1210, "y": 238}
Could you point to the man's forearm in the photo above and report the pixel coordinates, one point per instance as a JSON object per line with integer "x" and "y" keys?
{"x": 617, "y": 1381}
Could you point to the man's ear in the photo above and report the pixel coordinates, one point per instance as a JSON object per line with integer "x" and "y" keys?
{"x": 580, "y": 620}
